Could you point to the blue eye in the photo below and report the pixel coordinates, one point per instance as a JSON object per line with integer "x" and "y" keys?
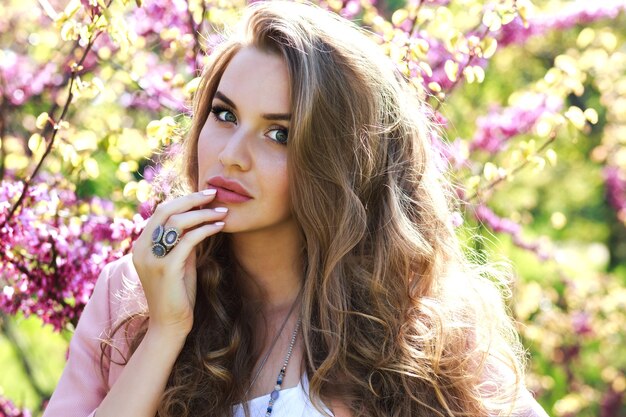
{"x": 278, "y": 135}
{"x": 223, "y": 114}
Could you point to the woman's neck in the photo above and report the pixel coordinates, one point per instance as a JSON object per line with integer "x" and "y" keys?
{"x": 272, "y": 268}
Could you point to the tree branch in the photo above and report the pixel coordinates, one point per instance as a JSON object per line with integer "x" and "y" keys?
{"x": 55, "y": 128}
{"x": 515, "y": 170}
{"x": 472, "y": 56}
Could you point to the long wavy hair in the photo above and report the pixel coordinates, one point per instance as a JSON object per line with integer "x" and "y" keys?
{"x": 396, "y": 320}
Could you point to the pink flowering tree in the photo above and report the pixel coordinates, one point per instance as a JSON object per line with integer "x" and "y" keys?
{"x": 529, "y": 98}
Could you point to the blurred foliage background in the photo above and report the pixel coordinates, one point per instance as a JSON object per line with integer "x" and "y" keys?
{"x": 531, "y": 98}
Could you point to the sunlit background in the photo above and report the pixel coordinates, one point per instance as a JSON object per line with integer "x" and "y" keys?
{"x": 530, "y": 97}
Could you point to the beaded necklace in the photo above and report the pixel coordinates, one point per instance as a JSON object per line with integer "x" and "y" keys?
{"x": 281, "y": 374}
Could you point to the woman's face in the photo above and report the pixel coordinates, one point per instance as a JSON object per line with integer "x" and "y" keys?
{"x": 242, "y": 147}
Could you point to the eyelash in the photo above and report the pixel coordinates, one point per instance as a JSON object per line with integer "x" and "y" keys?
{"x": 216, "y": 110}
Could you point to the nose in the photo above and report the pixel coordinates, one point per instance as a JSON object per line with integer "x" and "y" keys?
{"x": 235, "y": 154}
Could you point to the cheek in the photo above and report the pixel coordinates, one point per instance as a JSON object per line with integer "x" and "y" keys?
{"x": 271, "y": 169}
{"x": 202, "y": 149}
{"x": 282, "y": 180}
{"x": 206, "y": 150}
{"x": 203, "y": 140}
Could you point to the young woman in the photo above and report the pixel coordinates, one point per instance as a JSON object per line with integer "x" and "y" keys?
{"x": 307, "y": 264}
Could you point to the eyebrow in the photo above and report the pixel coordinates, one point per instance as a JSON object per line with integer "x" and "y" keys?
{"x": 267, "y": 116}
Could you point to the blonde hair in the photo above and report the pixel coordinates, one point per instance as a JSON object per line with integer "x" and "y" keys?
{"x": 396, "y": 321}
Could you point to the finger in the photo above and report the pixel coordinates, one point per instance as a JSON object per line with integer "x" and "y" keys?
{"x": 179, "y": 205}
{"x": 188, "y": 242}
{"x": 191, "y": 219}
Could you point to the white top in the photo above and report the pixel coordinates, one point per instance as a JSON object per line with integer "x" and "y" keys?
{"x": 292, "y": 402}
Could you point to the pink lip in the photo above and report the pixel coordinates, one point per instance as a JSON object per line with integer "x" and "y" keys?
{"x": 229, "y": 191}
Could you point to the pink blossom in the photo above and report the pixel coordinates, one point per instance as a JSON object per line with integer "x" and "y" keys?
{"x": 455, "y": 154}
{"x": 92, "y": 7}
{"x": 611, "y": 403}
{"x": 157, "y": 15}
{"x": 436, "y": 57}
{"x": 457, "y": 219}
{"x": 501, "y": 124}
{"x": 52, "y": 255}
{"x": 581, "y": 323}
{"x": 497, "y": 224}
{"x": 23, "y": 78}
{"x": 8, "y": 409}
{"x": 351, "y": 8}
{"x": 615, "y": 183}
{"x": 503, "y": 225}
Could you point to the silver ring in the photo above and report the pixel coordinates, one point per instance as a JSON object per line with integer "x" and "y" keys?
{"x": 164, "y": 240}
{"x": 159, "y": 250}
{"x": 157, "y": 234}
{"x": 170, "y": 238}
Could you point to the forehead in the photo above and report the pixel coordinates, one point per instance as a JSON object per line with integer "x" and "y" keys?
{"x": 254, "y": 77}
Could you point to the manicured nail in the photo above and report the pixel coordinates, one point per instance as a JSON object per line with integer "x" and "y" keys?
{"x": 221, "y": 209}
{"x": 210, "y": 191}
{"x": 219, "y": 223}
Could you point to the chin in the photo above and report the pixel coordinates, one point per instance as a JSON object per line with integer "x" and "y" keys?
{"x": 233, "y": 227}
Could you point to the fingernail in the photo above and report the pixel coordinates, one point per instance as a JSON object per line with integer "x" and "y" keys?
{"x": 210, "y": 191}
{"x": 221, "y": 209}
{"x": 219, "y": 223}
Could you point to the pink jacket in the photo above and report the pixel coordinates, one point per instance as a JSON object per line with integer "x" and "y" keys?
{"x": 83, "y": 386}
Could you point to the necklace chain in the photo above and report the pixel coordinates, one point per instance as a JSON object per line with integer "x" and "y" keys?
{"x": 281, "y": 374}
{"x": 267, "y": 355}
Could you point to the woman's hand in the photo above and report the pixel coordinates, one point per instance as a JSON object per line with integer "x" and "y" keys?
{"x": 169, "y": 282}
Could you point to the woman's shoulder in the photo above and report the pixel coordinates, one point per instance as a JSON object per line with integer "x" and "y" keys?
{"x": 117, "y": 294}
{"x": 118, "y": 291}
{"x": 120, "y": 271}
{"x": 82, "y": 387}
